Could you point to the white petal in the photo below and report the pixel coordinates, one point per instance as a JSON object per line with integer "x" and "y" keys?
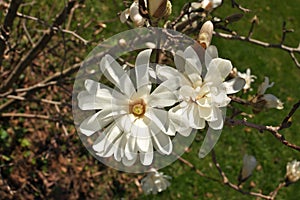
{"x": 90, "y": 102}
{"x": 130, "y": 147}
{"x": 218, "y": 122}
{"x": 234, "y": 85}
{"x": 147, "y": 158}
{"x": 210, "y": 53}
{"x": 135, "y": 14}
{"x": 128, "y": 162}
{"x": 162, "y": 143}
{"x": 116, "y": 75}
{"x": 272, "y": 101}
{"x": 124, "y": 15}
{"x": 142, "y": 68}
{"x": 179, "y": 60}
{"x": 165, "y": 94}
{"x": 96, "y": 122}
{"x": 165, "y": 73}
{"x": 218, "y": 70}
{"x": 191, "y": 57}
{"x": 158, "y": 117}
{"x": 112, "y": 133}
{"x": 211, "y": 138}
{"x": 186, "y": 92}
{"x": 119, "y": 152}
{"x": 126, "y": 122}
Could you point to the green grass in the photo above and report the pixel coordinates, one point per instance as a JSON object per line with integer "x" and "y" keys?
{"x": 271, "y": 155}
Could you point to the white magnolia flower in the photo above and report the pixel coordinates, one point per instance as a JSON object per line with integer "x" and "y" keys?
{"x": 132, "y": 119}
{"x": 249, "y": 164}
{"x": 263, "y": 100}
{"x": 155, "y": 182}
{"x": 293, "y": 171}
{"x": 248, "y": 78}
{"x": 202, "y": 95}
{"x": 134, "y": 14}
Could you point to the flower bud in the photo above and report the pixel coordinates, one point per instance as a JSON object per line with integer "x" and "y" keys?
{"x": 249, "y": 164}
{"x": 159, "y": 8}
{"x": 293, "y": 171}
{"x": 205, "y": 34}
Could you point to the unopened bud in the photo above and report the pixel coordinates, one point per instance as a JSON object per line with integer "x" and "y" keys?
{"x": 159, "y": 8}
{"x": 205, "y": 34}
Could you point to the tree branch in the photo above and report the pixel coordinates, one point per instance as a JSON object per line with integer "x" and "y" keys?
{"x": 7, "y": 25}
{"x": 20, "y": 67}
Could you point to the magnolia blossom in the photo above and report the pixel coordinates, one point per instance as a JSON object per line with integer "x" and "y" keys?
{"x": 203, "y": 92}
{"x": 263, "y": 100}
{"x": 248, "y": 78}
{"x": 293, "y": 171}
{"x": 132, "y": 119}
{"x": 249, "y": 164}
{"x": 134, "y": 14}
{"x": 155, "y": 182}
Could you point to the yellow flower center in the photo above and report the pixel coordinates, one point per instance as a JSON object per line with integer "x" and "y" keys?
{"x": 137, "y": 107}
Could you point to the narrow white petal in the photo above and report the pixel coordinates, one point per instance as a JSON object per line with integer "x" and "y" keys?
{"x": 165, "y": 94}
{"x": 124, "y": 15}
{"x": 142, "y": 68}
{"x": 211, "y": 138}
{"x": 116, "y": 75}
{"x": 198, "y": 121}
{"x": 112, "y": 133}
{"x": 210, "y": 53}
{"x": 179, "y": 60}
{"x": 158, "y": 117}
{"x": 143, "y": 144}
{"x": 234, "y": 85}
{"x": 192, "y": 58}
{"x": 95, "y": 122}
{"x": 218, "y": 70}
{"x": 147, "y": 157}
{"x": 119, "y": 152}
{"x": 128, "y": 162}
{"x": 165, "y": 73}
{"x": 272, "y": 101}
{"x": 90, "y": 102}
{"x": 218, "y": 122}
{"x": 162, "y": 143}
{"x": 130, "y": 147}
{"x": 126, "y": 122}
{"x": 135, "y": 14}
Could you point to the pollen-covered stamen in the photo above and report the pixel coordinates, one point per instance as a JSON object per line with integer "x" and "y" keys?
{"x": 137, "y": 107}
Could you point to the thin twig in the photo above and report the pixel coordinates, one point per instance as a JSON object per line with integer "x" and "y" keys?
{"x": 7, "y": 25}
{"x": 227, "y": 182}
{"x": 290, "y": 50}
{"x": 21, "y": 66}
{"x": 271, "y": 129}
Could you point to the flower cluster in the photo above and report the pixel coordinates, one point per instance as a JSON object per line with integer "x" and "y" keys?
{"x": 134, "y": 119}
